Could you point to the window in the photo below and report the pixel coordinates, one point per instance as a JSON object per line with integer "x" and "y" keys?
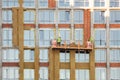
{"x": 46, "y": 16}
{"x": 64, "y": 16}
{"x": 82, "y": 74}
{"x": 43, "y": 55}
{"x": 99, "y": 17}
{"x": 7, "y": 16}
{"x": 79, "y": 36}
{"x": 114, "y": 3}
{"x": 7, "y": 37}
{"x": 100, "y": 55}
{"x": 64, "y": 3}
{"x": 114, "y": 55}
{"x": 29, "y": 55}
{"x": 64, "y": 74}
{"x": 28, "y": 74}
{"x": 81, "y": 56}
{"x": 100, "y": 73}
{"x": 100, "y": 37}
{"x": 65, "y": 36}
{"x": 29, "y": 39}
{"x": 115, "y": 73}
{"x": 29, "y": 17}
{"x": 10, "y": 55}
{"x": 45, "y": 36}
{"x": 10, "y": 73}
{"x": 43, "y": 3}
{"x": 99, "y": 3}
{"x": 114, "y": 37}
{"x": 78, "y": 16}
{"x": 10, "y": 3}
{"x": 81, "y": 3}
{"x": 114, "y": 16}
{"x": 64, "y": 56}
{"x": 29, "y": 3}
{"x": 43, "y": 73}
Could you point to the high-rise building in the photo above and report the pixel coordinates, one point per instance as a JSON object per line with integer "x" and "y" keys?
{"x": 28, "y": 26}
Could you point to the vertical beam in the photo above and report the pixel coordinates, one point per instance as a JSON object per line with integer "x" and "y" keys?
{"x": 0, "y": 40}
{"x": 15, "y": 26}
{"x": 92, "y": 65}
{"x": 36, "y": 58}
{"x": 56, "y": 68}
{"x": 108, "y": 39}
{"x": 21, "y": 45}
{"x": 72, "y": 21}
{"x": 51, "y": 65}
{"x": 36, "y": 43}
{"x": 72, "y": 65}
{"x": 56, "y": 19}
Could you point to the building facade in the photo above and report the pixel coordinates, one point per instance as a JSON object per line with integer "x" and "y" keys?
{"x": 28, "y": 26}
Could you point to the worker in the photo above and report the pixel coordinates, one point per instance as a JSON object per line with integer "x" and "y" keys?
{"x": 59, "y": 41}
{"x": 54, "y": 43}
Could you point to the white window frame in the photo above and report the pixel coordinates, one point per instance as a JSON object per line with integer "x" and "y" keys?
{"x": 82, "y": 57}
{"x": 64, "y": 74}
{"x": 29, "y": 74}
{"x": 65, "y": 56}
{"x": 7, "y": 55}
{"x": 6, "y": 73}
{"x": 8, "y": 4}
{"x": 30, "y": 3}
{"x": 29, "y": 55}
{"x": 44, "y": 74}
{"x": 50, "y": 37}
{"x": 31, "y": 38}
{"x": 62, "y": 35}
{"x": 100, "y": 73}
{"x": 43, "y": 56}
{"x": 114, "y": 73}
{"x": 80, "y": 37}
{"x": 82, "y": 74}
{"x": 43, "y": 6}
{"x": 105, "y": 39}
{"x": 49, "y": 19}
{"x": 64, "y": 4}
{"x": 100, "y": 3}
{"x": 8, "y": 36}
{"x": 8, "y": 17}
{"x": 114, "y": 55}
{"x": 117, "y": 36}
{"x": 64, "y": 17}
{"x": 100, "y": 57}
{"x": 82, "y": 1}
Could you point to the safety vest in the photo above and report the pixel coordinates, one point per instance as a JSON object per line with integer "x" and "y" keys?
{"x": 59, "y": 39}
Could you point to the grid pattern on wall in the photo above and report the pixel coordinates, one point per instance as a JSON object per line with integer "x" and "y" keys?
{"x": 50, "y": 21}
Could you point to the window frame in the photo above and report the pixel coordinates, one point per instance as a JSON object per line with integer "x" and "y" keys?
{"x": 102, "y": 41}
{"x": 50, "y": 37}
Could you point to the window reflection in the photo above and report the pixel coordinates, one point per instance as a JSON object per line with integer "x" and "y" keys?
{"x": 7, "y": 37}
{"x": 10, "y": 73}
{"x": 28, "y": 74}
{"x": 29, "y": 39}
{"x": 10, "y": 55}
{"x": 29, "y": 55}
{"x": 45, "y": 36}
{"x": 43, "y": 73}
{"x": 43, "y": 55}
{"x": 100, "y": 37}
